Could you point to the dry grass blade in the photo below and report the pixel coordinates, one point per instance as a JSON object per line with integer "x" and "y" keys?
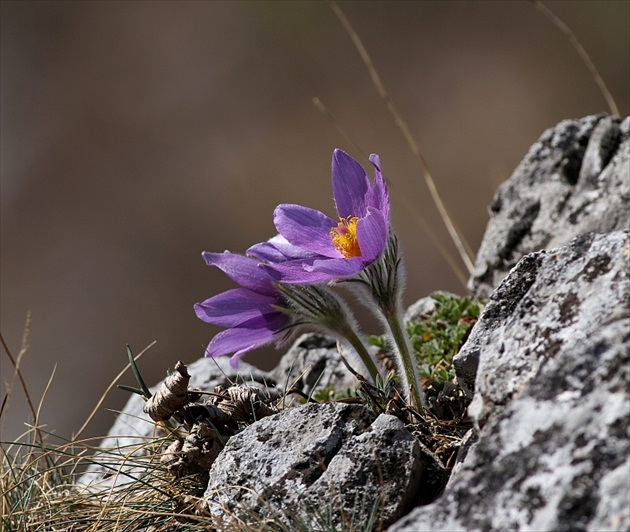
{"x": 15, "y": 362}
{"x": 463, "y": 248}
{"x": 34, "y": 498}
{"x": 35, "y": 430}
{"x": 44, "y": 394}
{"x": 614, "y": 110}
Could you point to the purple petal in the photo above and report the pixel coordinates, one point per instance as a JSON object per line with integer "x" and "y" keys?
{"x": 350, "y": 184}
{"x": 277, "y": 249}
{"x": 372, "y": 234}
{"x": 331, "y": 269}
{"x": 243, "y": 270}
{"x": 298, "y": 272}
{"x": 273, "y": 321}
{"x": 306, "y": 228}
{"x": 267, "y": 252}
{"x": 235, "y": 307}
{"x": 378, "y": 195}
{"x": 238, "y": 341}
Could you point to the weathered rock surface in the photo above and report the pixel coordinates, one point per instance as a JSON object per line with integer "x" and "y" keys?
{"x": 312, "y": 362}
{"x": 317, "y": 462}
{"x": 420, "y": 309}
{"x": 552, "y": 402}
{"x": 551, "y": 297}
{"x": 575, "y": 179}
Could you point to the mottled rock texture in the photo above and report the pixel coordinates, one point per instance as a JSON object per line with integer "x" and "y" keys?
{"x": 312, "y": 362}
{"x": 314, "y": 463}
{"x": 575, "y": 179}
{"x": 551, "y": 402}
{"x": 550, "y": 298}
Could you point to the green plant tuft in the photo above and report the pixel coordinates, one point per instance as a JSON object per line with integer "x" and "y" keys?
{"x": 437, "y": 337}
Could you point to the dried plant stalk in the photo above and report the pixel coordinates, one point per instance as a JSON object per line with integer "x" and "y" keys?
{"x": 171, "y": 396}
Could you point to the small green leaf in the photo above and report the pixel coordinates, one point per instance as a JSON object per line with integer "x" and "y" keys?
{"x": 131, "y": 389}
{"x": 136, "y": 373}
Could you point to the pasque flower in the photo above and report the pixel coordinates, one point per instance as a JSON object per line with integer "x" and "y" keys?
{"x": 261, "y": 311}
{"x": 361, "y": 247}
{"x": 251, "y": 311}
{"x": 284, "y": 281}
{"x": 315, "y": 248}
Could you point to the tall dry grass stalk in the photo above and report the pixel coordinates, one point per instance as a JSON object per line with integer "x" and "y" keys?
{"x": 464, "y": 250}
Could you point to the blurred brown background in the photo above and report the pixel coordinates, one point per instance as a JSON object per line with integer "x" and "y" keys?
{"x": 136, "y": 135}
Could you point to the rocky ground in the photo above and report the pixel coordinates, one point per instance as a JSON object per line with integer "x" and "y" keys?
{"x": 545, "y": 368}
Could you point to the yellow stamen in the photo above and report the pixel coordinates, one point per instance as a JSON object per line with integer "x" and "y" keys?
{"x": 344, "y": 237}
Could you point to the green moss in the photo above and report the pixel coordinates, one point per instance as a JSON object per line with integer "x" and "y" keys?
{"x": 328, "y": 394}
{"x": 437, "y": 337}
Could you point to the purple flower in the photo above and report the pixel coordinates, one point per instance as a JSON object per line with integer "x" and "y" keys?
{"x": 251, "y": 311}
{"x": 314, "y": 248}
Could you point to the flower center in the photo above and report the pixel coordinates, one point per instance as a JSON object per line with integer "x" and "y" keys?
{"x": 344, "y": 237}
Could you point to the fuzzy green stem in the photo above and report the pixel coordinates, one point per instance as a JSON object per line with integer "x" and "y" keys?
{"x": 384, "y": 280}
{"x": 317, "y": 305}
{"x": 408, "y": 370}
{"x": 354, "y": 340}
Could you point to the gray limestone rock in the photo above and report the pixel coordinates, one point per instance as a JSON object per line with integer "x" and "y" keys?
{"x": 551, "y": 297}
{"x": 313, "y": 362}
{"x": 575, "y": 179}
{"x": 315, "y": 463}
{"x": 552, "y": 402}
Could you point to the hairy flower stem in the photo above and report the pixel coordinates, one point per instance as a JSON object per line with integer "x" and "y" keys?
{"x": 318, "y": 306}
{"x": 406, "y": 363}
{"x": 354, "y": 340}
{"x": 384, "y": 280}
